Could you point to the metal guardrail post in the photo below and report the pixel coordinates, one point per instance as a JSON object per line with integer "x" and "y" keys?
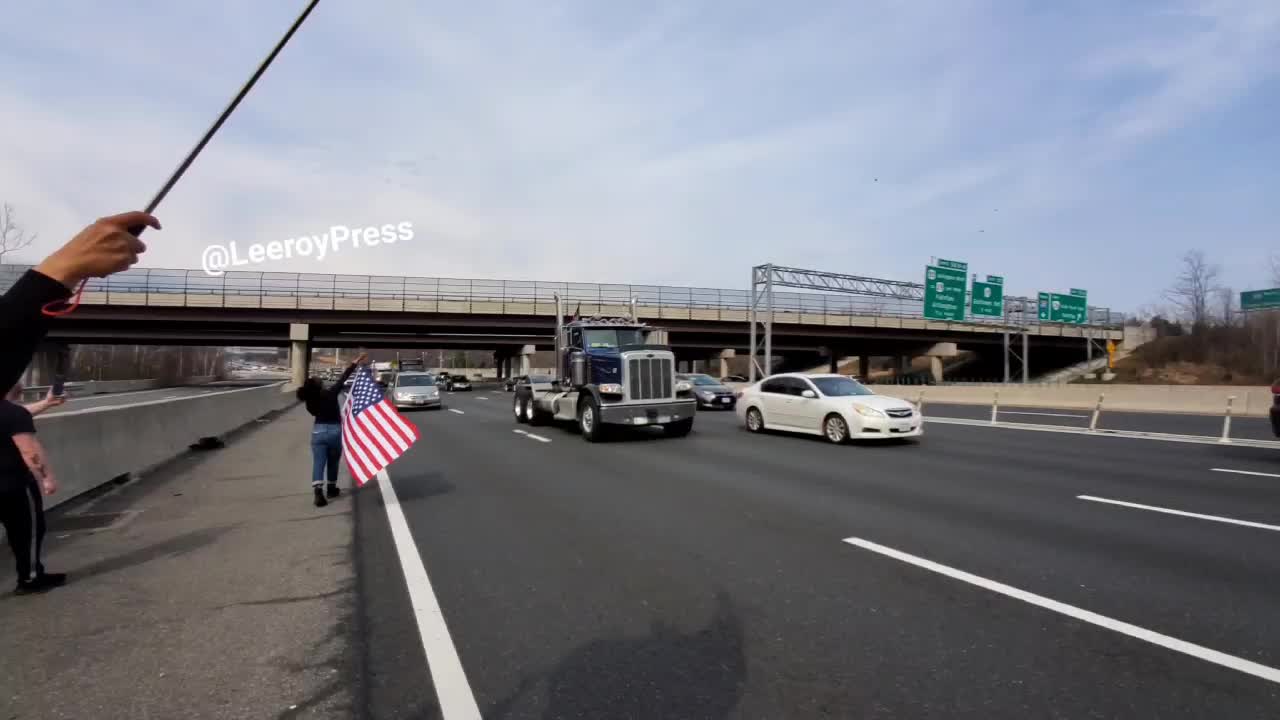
{"x": 1226, "y": 421}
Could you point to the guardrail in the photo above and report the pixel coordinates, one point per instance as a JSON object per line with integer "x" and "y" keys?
{"x": 194, "y": 288}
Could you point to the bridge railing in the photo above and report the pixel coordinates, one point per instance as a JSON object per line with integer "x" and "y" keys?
{"x": 197, "y": 288}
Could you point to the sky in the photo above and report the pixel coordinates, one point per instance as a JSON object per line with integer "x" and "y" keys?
{"x": 1060, "y": 145}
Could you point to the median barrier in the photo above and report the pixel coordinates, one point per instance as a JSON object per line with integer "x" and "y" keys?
{"x": 84, "y": 388}
{"x": 1192, "y": 399}
{"x": 88, "y": 448}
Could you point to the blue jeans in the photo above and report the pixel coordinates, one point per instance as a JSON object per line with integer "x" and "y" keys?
{"x": 326, "y": 452}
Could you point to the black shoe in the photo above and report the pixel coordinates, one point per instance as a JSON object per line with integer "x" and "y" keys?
{"x": 333, "y": 491}
{"x": 320, "y": 501}
{"x": 41, "y": 583}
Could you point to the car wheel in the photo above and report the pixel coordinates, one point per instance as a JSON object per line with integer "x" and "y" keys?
{"x": 589, "y": 421}
{"x": 835, "y": 429}
{"x": 518, "y": 406}
{"x": 755, "y": 421}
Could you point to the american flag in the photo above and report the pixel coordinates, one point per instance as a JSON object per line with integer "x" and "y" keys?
{"x": 374, "y": 434}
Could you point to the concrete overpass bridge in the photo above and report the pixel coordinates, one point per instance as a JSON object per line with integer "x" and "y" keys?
{"x": 516, "y": 318}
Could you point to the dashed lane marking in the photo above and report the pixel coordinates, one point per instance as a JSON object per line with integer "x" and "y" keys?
{"x": 456, "y": 410}
{"x": 1246, "y": 472}
{"x": 1183, "y": 513}
{"x": 1230, "y": 661}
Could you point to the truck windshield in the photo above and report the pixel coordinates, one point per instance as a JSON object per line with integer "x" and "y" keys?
{"x": 612, "y": 337}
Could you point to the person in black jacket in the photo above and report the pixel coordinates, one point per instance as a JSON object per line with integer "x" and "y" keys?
{"x": 104, "y": 248}
{"x": 326, "y": 433}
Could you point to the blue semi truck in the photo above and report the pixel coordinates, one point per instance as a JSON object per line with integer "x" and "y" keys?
{"x": 611, "y": 373}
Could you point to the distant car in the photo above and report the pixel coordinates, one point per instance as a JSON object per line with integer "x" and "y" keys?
{"x": 709, "y": 393}
{"x": 1275, "y": 407}
{"x": 459, "y": 382}
{"x": 415, "y": 389}
{"x": 834, "y": 406}
{"x": 733, "y": 378}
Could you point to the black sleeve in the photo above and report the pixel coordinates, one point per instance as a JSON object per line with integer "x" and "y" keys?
{"x": 22, "y": 325}
{"x": 337, "y": 387}
{"x": 15, "y": 420}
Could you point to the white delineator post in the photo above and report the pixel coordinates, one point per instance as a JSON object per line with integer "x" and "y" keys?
{"x": 920, "y": 402}
{"x": 1097, "y": 410}
{"x": 1226, "y": 421}
{"x": 995, "y": 404}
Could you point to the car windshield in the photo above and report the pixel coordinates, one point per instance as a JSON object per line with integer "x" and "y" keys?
{"x": 612, "y": 337}
{"x": 539, "y": 378}
{"x": 416, "y": 380}
{"x": 703, "y": 380}
{"x": 457, "y": 378}
{"x": 840, "y": 387}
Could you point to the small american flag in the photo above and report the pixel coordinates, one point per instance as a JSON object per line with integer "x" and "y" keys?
{"x": 374, "y": 434}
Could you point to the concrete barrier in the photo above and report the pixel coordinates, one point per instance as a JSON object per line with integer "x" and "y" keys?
{"x": 1250, "y": 401}
{"x": 90, "y": 447}
{"x": 101, "y": 387}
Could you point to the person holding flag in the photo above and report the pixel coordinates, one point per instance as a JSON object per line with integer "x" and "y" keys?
{"x": 374, "y": 433}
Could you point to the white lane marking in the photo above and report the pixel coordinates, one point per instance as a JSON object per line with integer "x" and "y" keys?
{"x": 453, "y": 692}
{"x": 520, "y": 432}
{"x": 1184, "y": 513}
{"x": 1245, "y": 472}
{"x": 1130, "y": 434}
{"x": 1124, "y": 628}
{"x": 1023, "y": 412}
{"x": 456, "y": 410}
{"x": 539, "y": 438}
{"x": 482, "y": 398}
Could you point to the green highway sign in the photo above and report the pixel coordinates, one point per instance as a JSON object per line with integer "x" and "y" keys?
{"x": 988, "y": 297}
{"x": 944, "y": 288}
{"x": 1260, "y": 299}
{"x": 1073, "y": 308}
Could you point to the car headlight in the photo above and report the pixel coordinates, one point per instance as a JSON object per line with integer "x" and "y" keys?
{"x": 706, "y": 394}
{"x": 683, "y": 386}
{"x": 402, "y": 396}
{"x": 611, "y": 389}
{"x": 870, "y": 412}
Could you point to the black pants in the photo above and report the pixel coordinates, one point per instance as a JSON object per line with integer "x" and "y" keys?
{"x": 22, "y": 513}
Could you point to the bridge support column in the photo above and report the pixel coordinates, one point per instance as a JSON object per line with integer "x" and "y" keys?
{"x": 526, "y": 358}
{"x": 833, "y": 359}
{"x": 299, "y": 353}
{"x": 864, "y": 368}
{"x": 42, "y": 368}
{"x": 724, "y": 361}
{"x": 935, "y": 355}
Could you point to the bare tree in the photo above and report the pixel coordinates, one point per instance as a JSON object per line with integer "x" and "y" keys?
{"x": 13, "y": 236}
{"x": 1225, "y": 305}
{"x": 1195, "y": 287}
{"x": 1275, "y": 269}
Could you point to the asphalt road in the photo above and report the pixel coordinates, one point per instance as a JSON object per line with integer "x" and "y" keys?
{"x": 1251, "y": 428}
{"x": 710, "y": 576}
{"x": 138, "y": 396}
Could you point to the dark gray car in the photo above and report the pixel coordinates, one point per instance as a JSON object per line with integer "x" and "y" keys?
{"x": 709, "y": 393}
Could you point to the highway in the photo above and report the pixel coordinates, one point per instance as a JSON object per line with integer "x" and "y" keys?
{"x": 140, "y": 396}
{"x": 978, "y": 573}
{"x": 1251, "y": 428}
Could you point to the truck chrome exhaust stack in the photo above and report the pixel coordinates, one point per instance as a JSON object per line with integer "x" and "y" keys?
{"x": 559, "y": 333}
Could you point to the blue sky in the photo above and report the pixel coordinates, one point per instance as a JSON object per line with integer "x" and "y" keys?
{"x": 1065, "y": 144}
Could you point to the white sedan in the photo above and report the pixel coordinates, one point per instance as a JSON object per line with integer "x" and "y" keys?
{"x": 834, "y": 406}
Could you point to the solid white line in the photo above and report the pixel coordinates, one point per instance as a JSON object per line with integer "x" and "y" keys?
{"x": 1124, "y": 628}
{"x": 1130, "y": 434}
{"x": 539, "y": 438}
{"x": 1245, "y": 472}
{"x": 1153, "y": 508}
{"x": 457, "y": 702}
{"x": 1020, "y": 412}
{"x": 520, "y": 432}
{"x": 456, "y": 410}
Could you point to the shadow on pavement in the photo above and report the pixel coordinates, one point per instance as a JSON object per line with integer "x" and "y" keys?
{"x": 173, "y": 547}
{"x": 421, "y": 486}
{"x": 664, "y": 674}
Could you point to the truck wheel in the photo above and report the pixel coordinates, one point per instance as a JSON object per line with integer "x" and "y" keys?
{"x": 589, "y": 421}
{"x": 678, "y": 429}
{"x": 518, "y": 407}
{"x": 534, "y": 414}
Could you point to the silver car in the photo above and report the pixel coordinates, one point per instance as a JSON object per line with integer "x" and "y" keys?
{"x": 414, "y": 390}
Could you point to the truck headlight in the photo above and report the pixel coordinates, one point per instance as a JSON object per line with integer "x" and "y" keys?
{"x": 611, "y": 389}
{"x": 870, "y": 412}
{"x": 683, "y": 386}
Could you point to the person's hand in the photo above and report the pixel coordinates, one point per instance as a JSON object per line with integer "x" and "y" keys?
{"x": 51, "y": 400}
{"x": 48, "y": 485}
{"x": 103, "y": 248}
{"x": 362, "y": 359}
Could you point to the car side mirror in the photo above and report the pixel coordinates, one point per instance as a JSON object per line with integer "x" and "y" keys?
{"x": 809, "y": 394}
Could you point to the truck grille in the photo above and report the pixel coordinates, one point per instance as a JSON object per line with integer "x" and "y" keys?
{"x": 649, "y": 378}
